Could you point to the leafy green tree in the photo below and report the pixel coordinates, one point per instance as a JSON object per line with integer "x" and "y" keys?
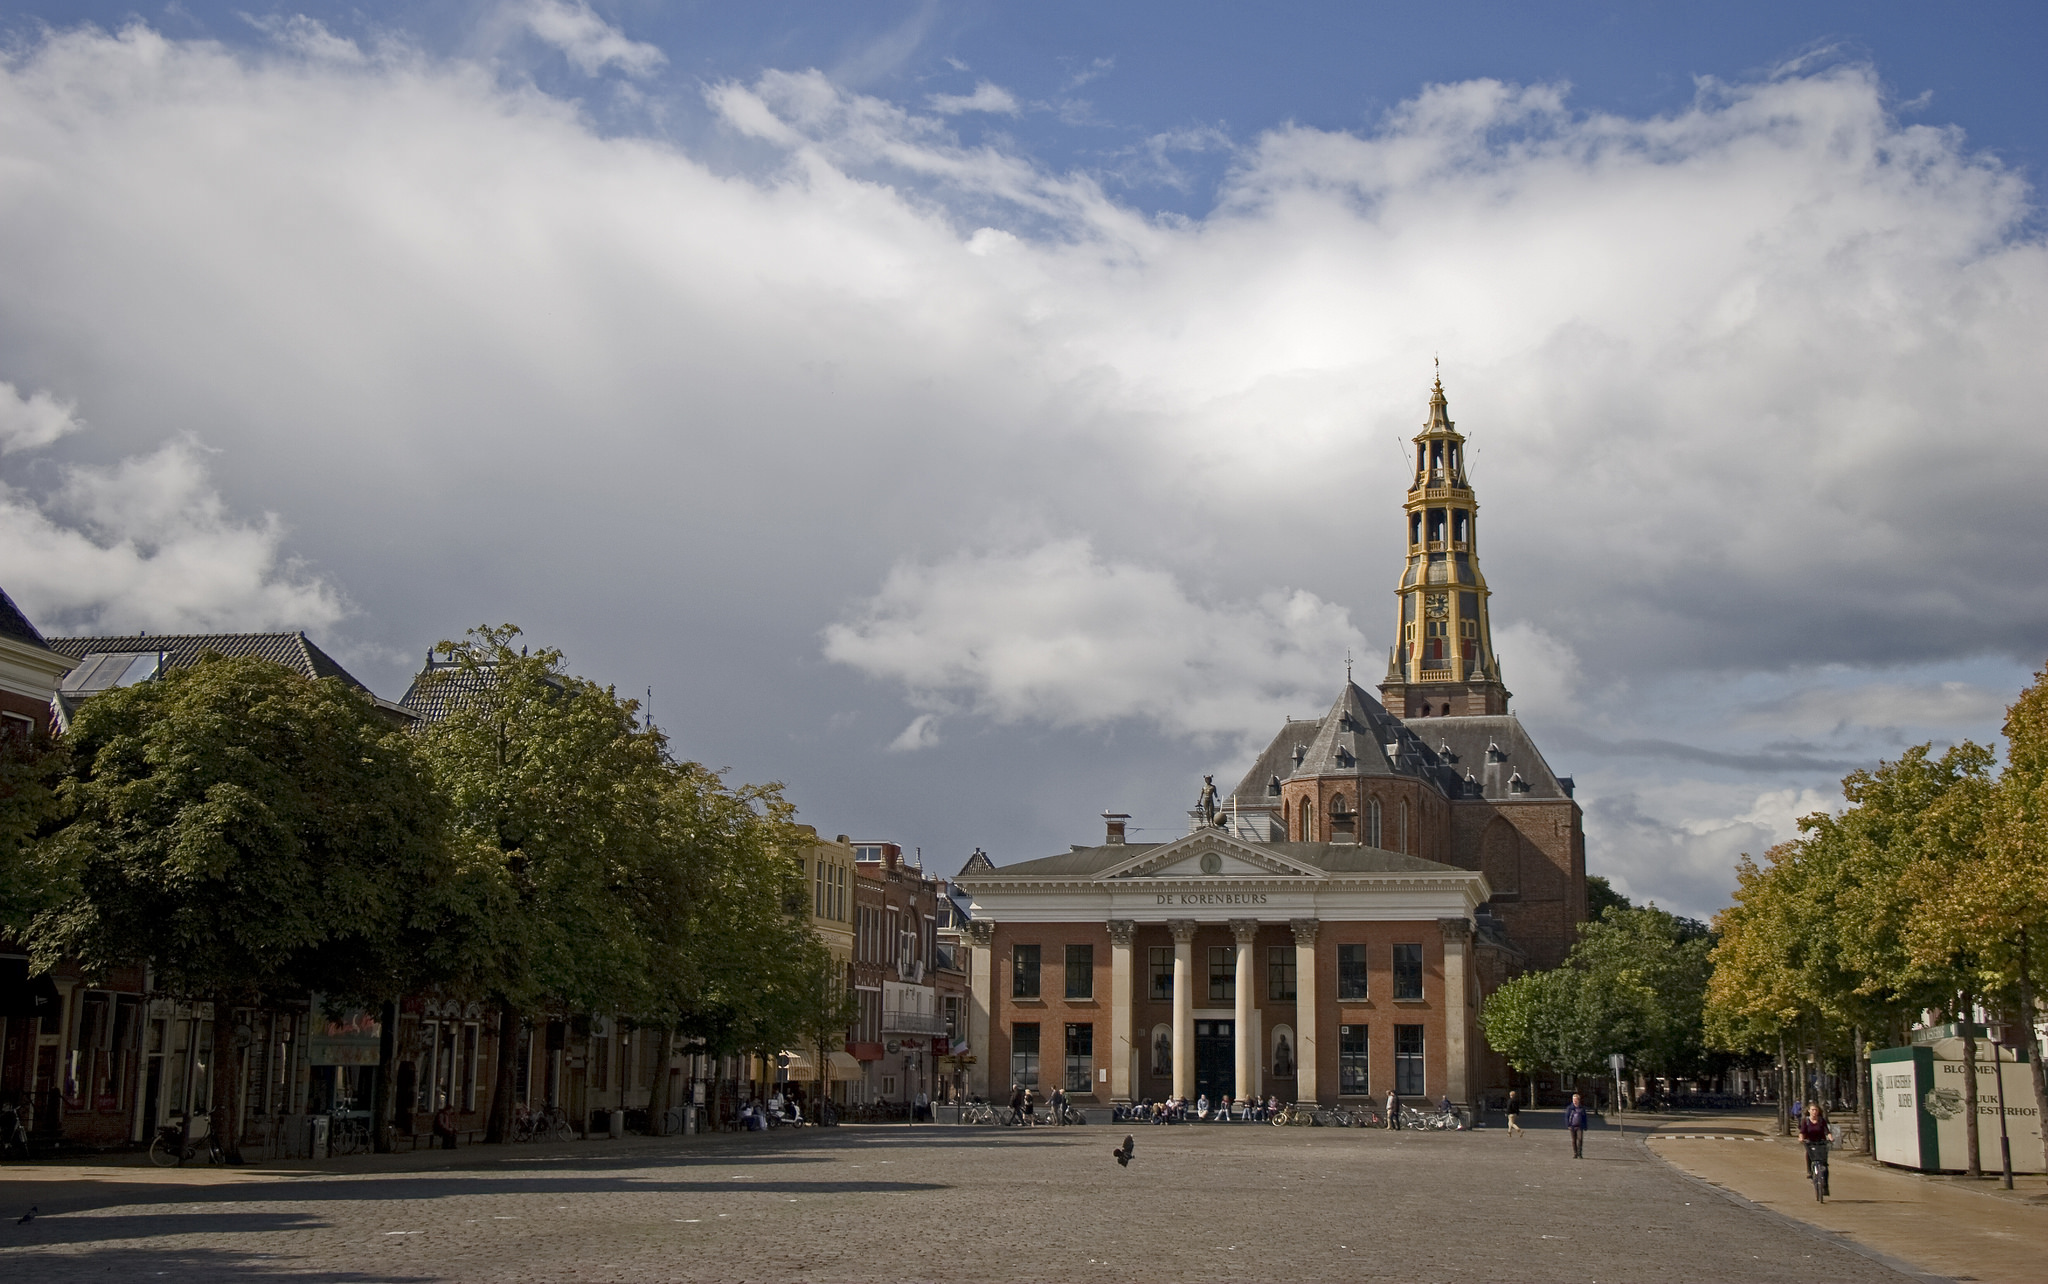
{"x": 247, "y": 832}
{"x": 1549, "y": 1020}
{"x": 31, "y": 767}
{"x": 556, "y": 796}
{"x": 1601, "y": 897}
{"x": 1646, "y": 971}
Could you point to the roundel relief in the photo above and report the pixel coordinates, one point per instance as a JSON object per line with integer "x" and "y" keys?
{"x": 1212, "y": 863}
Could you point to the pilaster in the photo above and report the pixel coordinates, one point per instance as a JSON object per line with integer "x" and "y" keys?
{"x": 980, "y": 936}
{"x": 1457, "y": 1009}
{"x": 1121, "y": 933}
{"x": 1306, "y": 1002}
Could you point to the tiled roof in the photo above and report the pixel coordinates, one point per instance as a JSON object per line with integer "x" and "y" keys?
{"x": 440, "y": 686}
{"x": 1496, "y": 739}
{"x": 1353, "y": 739}
{"x": 14, "y": 624}
{"x": 181, "y": 650}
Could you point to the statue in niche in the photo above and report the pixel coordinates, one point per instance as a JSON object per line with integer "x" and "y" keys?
{"x": 1162, "y": 1053}
{"x": 1283, "y": 1059}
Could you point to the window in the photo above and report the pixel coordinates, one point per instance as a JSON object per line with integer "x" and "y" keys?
{"x": 1408, "y": 1080}
{"x": 818, "y": 900}
{"x": 1080, "y": 1058}
{"x": 953, "y": 1015}
{"x": 1407, "y": 971}
{"x": 1024, "y": 1055}
{"x": 1222, "y": 973}
{"x": 1024, "y": 973}
{"x": 1161, "y": 968}
{"x": 1351, "y": 1076}
{"x": 1351, "y": 972}
{"x": 1080, "y": 971}
{"x": 1372, "y": 824}
{"x": 1280, "y": 973}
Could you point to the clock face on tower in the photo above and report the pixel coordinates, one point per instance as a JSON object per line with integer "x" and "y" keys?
{"x": 1436, "y": 605}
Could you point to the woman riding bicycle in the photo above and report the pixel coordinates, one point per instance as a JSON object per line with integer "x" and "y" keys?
{"x": 1813, "y": 1131}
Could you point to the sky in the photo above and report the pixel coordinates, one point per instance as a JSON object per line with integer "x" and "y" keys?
{"x": 978, "y": 417}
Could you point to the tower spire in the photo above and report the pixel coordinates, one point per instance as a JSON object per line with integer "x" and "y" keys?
{"x": 1443, "y": 660}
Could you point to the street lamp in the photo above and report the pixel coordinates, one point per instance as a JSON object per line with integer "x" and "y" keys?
{"x": 1996, "y": 1034}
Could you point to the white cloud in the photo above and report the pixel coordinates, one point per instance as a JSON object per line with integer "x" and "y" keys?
{"x": 149, "y": 543}
{"x": 587, "y": 40}
{"x": 306, "y": 37}
{"x": 1752, "y": 387}
{"x": 1921, "y": 707}
{"x": 1058, "y": 635}
{"x": 987, "y": 97}
{"x": 32, "y": 421}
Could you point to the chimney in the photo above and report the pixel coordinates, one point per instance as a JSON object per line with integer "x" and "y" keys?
{"x": 1115, "y": 820}
{"x": 891, "y": 854}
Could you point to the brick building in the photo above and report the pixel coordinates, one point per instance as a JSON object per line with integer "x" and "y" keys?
{"x": 1329, "y": 927}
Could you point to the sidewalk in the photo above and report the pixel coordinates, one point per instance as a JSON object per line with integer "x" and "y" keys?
{"x": 1939, "y": 1226}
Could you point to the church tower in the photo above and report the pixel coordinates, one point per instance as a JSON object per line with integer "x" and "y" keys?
{"x": 1443, "y": 662}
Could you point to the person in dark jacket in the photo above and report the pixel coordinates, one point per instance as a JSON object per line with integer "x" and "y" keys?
{"x": 1813, "y": 1132}
{"x": 1514, "y": 1113}
{"x": 1575, "y": 1118}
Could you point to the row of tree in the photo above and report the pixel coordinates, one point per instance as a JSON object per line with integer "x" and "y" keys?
{"x": 1928, "y": 892}
{"x": 255, "y": 836}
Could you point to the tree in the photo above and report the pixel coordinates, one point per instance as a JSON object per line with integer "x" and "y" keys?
{"x": 1646, "y": 975}
{"x": 1601, "y": 897}
{"x": 246, "y": 831}
{"x": 31, "y": 767}
{"x": 1548, "y": 1021}
{"x": 555, "y": 795}
{"x": 825, "y": 1008}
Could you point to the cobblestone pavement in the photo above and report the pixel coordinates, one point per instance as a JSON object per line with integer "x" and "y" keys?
{"x": 940, "y": 1203}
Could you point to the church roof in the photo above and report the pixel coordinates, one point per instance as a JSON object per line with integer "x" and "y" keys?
{"x": 1497, "y": 739}
{"x": 1331, "y": 858}
{"x": 182, "y": 650}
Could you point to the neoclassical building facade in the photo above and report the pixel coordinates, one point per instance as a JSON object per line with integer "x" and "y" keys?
{"x": 1328, "y": 929}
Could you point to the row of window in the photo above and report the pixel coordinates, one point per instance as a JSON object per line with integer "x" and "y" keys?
{"x": 828, "y": 890}
{"x": 1026, "y": 965}
{"x": 1354, "y": 1079}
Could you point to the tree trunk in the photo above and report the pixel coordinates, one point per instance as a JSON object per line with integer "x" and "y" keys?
{"x": 498, "y": 1128}
{"x": 1976, "y": 1166}
{"x": 662, "y": 1098}
{"x": 1783, "y": 1086}
{"x": 387, "y": 1065}
{"x": 230, "y": 1067}
{"x": 2032, "y": 1045}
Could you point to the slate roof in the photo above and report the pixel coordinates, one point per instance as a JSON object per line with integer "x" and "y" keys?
{"x": 182, "y": 650}
{"x": 1357, "y": 737}
{"x": 14, "y": 624}
{"x": 1332, "y": 858}
{"x": 1499, "y": 739}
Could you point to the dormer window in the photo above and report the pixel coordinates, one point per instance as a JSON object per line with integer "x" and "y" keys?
{"x": 1493, "y": 754}
{"x": 1345, "y": 758}
{"x": 1273, "y": 787}
{"x": 1517, "y": 785}
{"x": 1300, "y": 752}
{"x": 1444, "y": 751}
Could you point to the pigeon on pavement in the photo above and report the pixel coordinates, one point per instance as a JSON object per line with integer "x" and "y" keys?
{"x": 1123, "y": 1156}
{"x": 27, "y": 1217}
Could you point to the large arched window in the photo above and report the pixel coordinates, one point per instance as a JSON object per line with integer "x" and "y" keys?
{"x": 1307, "y": 813}
{"x": 1372, "y": 823}
{"x": 1342, "y": 822}
{"x": 1404, "y": 826}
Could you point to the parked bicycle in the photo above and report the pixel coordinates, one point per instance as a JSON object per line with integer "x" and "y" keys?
{"x": 979, "y": 1112}
{"x": 548, "y": 1123}
{"x": 172, "y": 1148}
{"x": 14, "y": 1133}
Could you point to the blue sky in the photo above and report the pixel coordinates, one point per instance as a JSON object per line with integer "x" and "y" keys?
{"x": 977, "y": 417}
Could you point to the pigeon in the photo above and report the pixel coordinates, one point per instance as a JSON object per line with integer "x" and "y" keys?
{"x": 1123, "y": 1156}
{"x": 27, "y": 1217}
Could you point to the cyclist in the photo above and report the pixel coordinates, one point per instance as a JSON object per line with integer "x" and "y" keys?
{"x": 1813, "y": 1130}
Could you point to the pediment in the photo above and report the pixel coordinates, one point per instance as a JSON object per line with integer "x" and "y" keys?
{"x": 1209, "y": 854}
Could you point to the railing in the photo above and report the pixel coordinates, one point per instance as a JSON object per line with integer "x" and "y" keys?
{"x": 897, "y": 1022}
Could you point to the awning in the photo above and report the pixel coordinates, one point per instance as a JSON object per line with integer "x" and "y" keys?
{"x": 843, "y": 1067}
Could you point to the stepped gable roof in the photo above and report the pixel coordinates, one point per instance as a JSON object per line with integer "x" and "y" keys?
{"x": 182, "y": 650}
{"x": 1277, "y": 762}
{"x": 14, "y": 624}
{"x": 1470, "y": 738}
{"x": 1331, "y": 858}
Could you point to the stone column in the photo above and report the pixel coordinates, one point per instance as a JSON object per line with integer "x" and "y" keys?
{"x": 1457, "y": 1012}
{"x": 1121, "y": 930}
{"x": 1305, "y": 1062}
{"x": 1246, "y": 930}
{"x": 1183, "y": 930}
{"x": 980, "y": 936}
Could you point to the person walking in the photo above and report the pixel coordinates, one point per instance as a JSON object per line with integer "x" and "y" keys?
{"x": 1393, "y": 1109}
{"x": 1575, "y": 1118}
{"x": 1514, "y": 1113}
{"x": 1016, "y": 1103}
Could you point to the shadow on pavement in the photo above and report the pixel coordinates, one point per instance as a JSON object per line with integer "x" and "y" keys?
{"x": 48, "y": 1229}
{"x": 153, "y": 1264}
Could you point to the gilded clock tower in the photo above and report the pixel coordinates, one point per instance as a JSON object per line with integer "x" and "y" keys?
{"x": 1443, "y": 662}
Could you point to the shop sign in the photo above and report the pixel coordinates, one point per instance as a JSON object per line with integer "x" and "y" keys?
{"x": 344, "y": 1038}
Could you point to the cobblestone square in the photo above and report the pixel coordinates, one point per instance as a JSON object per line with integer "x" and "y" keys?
{"x": 941, "y": 1203}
